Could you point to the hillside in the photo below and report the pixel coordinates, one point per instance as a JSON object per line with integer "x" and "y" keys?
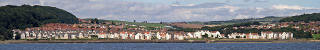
{"x": 268, "y": 19}
{"x": 131, "y": 23}
{"x": 20, "y": 17}
{"x": 304, "y": 17}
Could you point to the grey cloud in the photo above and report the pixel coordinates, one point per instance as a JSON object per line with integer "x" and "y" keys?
{"x": 129, "y": 11}
{"x": 254, "y": 0}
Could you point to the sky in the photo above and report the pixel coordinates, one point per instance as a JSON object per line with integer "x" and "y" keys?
{"x": 177, "y": 10}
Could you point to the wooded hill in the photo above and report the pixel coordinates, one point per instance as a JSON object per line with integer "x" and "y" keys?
{"x": 304, "y": 17}
{"x": 24, "y": 16}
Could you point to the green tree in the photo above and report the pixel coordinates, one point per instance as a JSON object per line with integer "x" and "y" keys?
{"x": 25, "y": 16}
{"x": 316, "y": 36}
{"x": 95, "y": 21}
{"x": 205, "y": 36}
{"x": 304, "y": 18}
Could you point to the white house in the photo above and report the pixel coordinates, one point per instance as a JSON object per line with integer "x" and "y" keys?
{"x": 158, "y": 35}
{"x": 73, "y": 37}
{"x": 102, "y": 35}
{"x": 111, "y": 36}
{"x": 147, "y": 35}
{"x": 199, "y": 34}
{"x": 168, "y": 36}
{"x": 66, "y": 36}
{"x": 116, "y": 35}
{"x": 252, "y": 36}
{"x": 215, "y": 34}
{"x": 211, "y": 34}
{"x": 23, "y": 36}
{"x": 285, "y": 35}
{"x": 123, "y": 35}
{"x": 138, "y": 36}
{"x": 189, "y": 35}
{"x": 39, "y": 36}
{"x": 80, "y": 35}
{"x": 237, "y": 35}
{"x": 178, "y": 36}
{"x": 276, "y": 35}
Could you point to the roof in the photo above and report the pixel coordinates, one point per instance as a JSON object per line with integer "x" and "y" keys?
{"x": 267, "y": 32}
{"x": 214, "y": 31}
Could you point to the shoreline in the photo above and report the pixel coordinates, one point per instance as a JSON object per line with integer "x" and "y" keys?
{"x": 157, "y": 41}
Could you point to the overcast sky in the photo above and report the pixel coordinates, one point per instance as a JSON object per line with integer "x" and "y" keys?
{"x": 177, "y": 10}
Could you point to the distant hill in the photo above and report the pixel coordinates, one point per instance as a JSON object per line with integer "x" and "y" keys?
{"x": 268, "y": 19}
{"x": 304, "y": 17}
{"x": 265, "y": 19}
{"x": 21, "y": 17}
{"x": 131, "y": 23}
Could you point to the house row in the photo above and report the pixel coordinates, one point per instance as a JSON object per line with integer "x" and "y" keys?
{"x": 210, "y": 34}
{"x": 243, "y": 36}
{"x": 263, "y": 35}
{"x": 147, "y": 35}
{"x": 58, "y": 34}
{"x": 143, "y": 35}
{"x": 276, "y": 35}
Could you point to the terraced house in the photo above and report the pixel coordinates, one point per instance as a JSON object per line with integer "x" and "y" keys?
{"x": 89, "y": 31}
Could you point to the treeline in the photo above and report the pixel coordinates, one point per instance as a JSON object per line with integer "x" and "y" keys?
{"x": 304, "y": 17}
{"x": 24, "y": 16}
{"x": 297, "y": 33}
{"x": 228, "y": 29}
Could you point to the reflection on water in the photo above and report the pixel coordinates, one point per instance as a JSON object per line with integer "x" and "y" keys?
{"x": 162, "y": 46}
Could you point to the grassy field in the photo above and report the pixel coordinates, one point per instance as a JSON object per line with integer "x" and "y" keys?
{"x": 147, "y": 24}
{"x": 136, "y": 23}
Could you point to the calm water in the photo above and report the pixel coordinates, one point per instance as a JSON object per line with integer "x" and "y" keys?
{"x": 162, "y": 46}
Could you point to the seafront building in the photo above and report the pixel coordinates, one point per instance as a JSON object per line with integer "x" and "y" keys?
{"x": 94, "y": 31}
